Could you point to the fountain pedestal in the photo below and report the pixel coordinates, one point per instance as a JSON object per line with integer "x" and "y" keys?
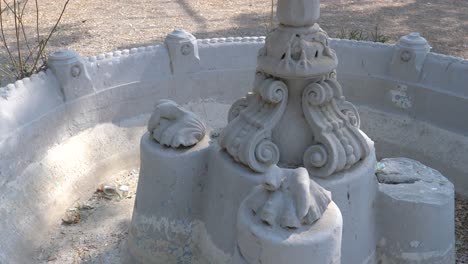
{"x": 186, "y": 209}
{"x": 262, "y": 192}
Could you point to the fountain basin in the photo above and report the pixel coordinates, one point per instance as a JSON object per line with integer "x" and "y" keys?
{"x": 53, "y": 138}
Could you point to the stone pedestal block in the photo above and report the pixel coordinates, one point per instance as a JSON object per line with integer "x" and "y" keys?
{"x": 227, "y": 184}
{"x": 316, "y": 244}
{"x": 354, "y": 191}
{"x": 167, "y": 202}
{"x": 416, "y": 214}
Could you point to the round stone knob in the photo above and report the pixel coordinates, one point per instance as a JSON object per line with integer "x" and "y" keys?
{"x": 298, "y": 13}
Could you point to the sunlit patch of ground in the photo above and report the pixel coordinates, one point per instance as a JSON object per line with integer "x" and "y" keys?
{"x": 100, "y": 234}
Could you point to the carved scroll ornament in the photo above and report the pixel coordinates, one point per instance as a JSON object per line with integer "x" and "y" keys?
{"x": 247, "y": 137}
{"x": 334, "y": 122}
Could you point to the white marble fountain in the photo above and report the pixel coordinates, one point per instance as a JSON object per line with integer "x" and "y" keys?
{"x": 258, "y": 158}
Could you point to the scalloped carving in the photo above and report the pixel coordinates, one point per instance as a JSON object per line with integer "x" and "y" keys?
{"x": 288, "y": 198}
{"x": 231, "y": 40}
{"x": 173, "y": 126}
{"x": 247, "y": 137}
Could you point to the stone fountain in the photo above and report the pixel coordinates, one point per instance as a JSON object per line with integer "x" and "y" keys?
{"x": 290, "y": 179}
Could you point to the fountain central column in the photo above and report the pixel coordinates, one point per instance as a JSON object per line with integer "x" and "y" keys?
{"x": 262, "y": 191}
{"x": 297, "y": 115}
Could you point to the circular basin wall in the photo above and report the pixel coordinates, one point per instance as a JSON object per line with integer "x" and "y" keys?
{"x": 58, "y": 128}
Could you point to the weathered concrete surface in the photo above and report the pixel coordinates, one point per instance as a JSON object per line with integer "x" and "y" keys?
{"x": 168, "y": 202}
{"x": 415, "y": 214}
{"x": 187, "y": 203}
{"x": 143, "y": 75}
{"x": 354, "y": 191}
{"x": 35, "y": 200}
{"x": 35, "y": 117}
{"x": 400, "y": 135}
{"x": 316, "y": 244}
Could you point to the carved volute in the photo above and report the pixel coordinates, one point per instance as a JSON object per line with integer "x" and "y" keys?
{"x": 296, "y": 115}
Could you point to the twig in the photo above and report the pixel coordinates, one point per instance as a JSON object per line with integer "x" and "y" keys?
{"x": 18, "y": 42}
{"x": 12, "y": 60}
{"x": 42, "y": 47}
{"x": 37, "y": 22}
{"x": 5, "y": 71}
{"x": 24, "y": 32}
{"x": 272, "y": 13}
{"x": 5, "y": 9}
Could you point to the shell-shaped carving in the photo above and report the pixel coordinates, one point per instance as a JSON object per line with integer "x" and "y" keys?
{"x": 288, "y": 198}
{"x": 173, "y": 126}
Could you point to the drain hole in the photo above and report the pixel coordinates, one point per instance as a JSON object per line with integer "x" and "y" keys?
{"x": 316, "y": 54}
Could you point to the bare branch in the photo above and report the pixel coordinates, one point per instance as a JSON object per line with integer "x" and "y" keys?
{"x": 18, "y": 42}
{"x": 37, "y": 22}
{"x": 42, "y": 47}
{"x": 24, "y": 31}
{"x": 4, "y": 41}
{"x": 20, "y": 65}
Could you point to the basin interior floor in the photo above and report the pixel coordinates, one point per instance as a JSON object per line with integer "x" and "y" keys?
{"x": 99, "y": 235}
{"x": 461, "y": 230}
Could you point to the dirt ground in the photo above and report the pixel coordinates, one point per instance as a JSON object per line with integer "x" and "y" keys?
{"x": 96, "y": 26}
{"x": 98, "y": 234}
{"x": 461, "y": 227}
{"x": 92, "y": 26}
